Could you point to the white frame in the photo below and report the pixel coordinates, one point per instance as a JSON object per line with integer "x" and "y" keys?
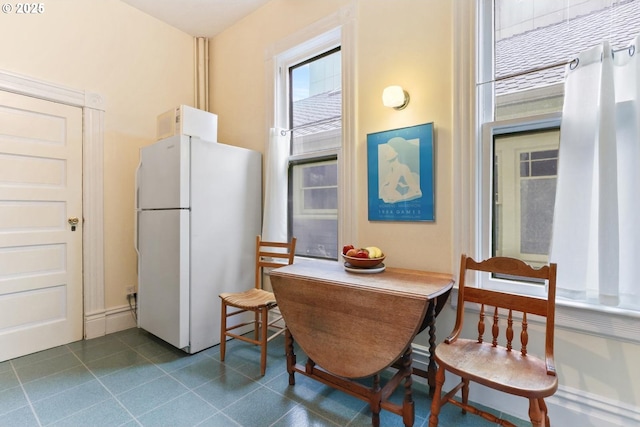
{"x": 485, "y": 205}
{"x": 338, "y": 29}
{"x": 298, "y": 209}
{"x": 93, "y": 108}
{"x": 510, "y": 194}
{"x": 586, "y": 318}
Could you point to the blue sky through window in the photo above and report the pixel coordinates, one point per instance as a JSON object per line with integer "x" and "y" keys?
{"x": 300, "y": 82}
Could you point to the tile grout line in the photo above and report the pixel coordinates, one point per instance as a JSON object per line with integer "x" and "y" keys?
{"x": 299, "y": 404}
{"x": 221, "y": 413}
{"x": 119, "y": 401}
{"x": 167, "y": 373}
{"x": 191, "y": 390}
{"x": 24, "y": 392}
{"x": 103, "y": 386}
{"x": 145, "y": 357}
{"x": 81, "y": 363}
{"x": 171, "y": 365}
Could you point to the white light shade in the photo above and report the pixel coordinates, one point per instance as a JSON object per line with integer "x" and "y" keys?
{"x": 395, "y": 96}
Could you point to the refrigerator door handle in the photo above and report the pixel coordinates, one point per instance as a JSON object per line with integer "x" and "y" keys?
{"x": 136, "y": 210}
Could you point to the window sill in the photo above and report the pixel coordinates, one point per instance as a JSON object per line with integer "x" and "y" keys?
{"x": 600, "y": 321}
{"x": 302, "y": 258}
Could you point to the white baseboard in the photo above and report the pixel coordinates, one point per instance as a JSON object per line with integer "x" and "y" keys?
{"x": 108, "y": 321}
{"x": 570, "y": 406}
{"x": 420, "y": 357}
{"x": 567, "y": 407}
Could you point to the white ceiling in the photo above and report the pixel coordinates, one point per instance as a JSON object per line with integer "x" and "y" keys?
{"x": 199, "y": 18}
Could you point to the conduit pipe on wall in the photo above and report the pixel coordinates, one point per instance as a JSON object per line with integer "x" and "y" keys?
{"x": 201, "y": 71}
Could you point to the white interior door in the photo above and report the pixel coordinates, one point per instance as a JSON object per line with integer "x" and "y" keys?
{"x": 40, "y": 251}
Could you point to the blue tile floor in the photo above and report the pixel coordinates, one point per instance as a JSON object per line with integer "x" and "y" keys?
{"x": 131, "y": 378}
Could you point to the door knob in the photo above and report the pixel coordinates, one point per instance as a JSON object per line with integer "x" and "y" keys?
{"x": 73, "y": 220}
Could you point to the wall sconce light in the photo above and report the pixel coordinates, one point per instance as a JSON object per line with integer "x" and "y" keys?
{"x": 395, "y": 97}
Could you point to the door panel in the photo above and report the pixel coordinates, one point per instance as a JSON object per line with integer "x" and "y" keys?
{"x": 40, "y": 255}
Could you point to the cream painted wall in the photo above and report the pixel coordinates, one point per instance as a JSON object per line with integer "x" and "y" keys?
{"x": 409, "y": 42}
{"x": 386, "y": 55}
{"x": 140, "y": 66}
{"x": 238, "y": 57}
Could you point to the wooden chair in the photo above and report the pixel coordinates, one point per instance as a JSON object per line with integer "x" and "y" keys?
{"x": 260, "y": 302}
{"x": 487, "y": 363}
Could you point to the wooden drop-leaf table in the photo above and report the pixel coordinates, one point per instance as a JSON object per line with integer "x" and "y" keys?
{"x": 353, "y": 326}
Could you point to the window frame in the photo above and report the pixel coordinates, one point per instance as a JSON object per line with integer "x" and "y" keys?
{"x": 298, "y": 208}
{"x": 582, "y": 317}
{"x": 337, "y": 29}
{"x": 485, "y": 169}
{"x": 486, "y": 105}
{"x": 307, "y": 56}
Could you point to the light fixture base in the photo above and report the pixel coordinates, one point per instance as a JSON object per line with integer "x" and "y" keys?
{"x": 406, "y": 101}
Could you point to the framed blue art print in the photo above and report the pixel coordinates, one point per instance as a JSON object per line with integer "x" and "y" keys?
{"x": 400, "y": 173}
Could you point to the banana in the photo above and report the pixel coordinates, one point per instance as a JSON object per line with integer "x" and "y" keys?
{"x": 374, "y": 252}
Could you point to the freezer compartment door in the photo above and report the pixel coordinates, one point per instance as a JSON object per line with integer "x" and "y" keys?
{"x": 163, "y": 174}
{"x": 163, "y": 286}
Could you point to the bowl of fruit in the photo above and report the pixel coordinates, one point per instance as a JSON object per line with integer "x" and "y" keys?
{"x": 369, "y": 257}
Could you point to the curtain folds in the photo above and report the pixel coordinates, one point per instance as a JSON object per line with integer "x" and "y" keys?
{"x": 596, "y": 234}
{"x": 274, "y": 222}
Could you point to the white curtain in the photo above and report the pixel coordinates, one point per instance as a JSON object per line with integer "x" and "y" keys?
{"x": 274, "y": 222}
{"x": 596, "y": 229}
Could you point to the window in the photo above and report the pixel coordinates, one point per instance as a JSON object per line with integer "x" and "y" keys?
{"x": 523, "y": 188}
{"x": 315, "y": 115}
{"x": 522, "y": 51}
{"x": 313, "y": 207}
{"x": 310, "y": 112}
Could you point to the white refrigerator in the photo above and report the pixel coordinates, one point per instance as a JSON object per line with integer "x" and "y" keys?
{"x": 198, "y": 213}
